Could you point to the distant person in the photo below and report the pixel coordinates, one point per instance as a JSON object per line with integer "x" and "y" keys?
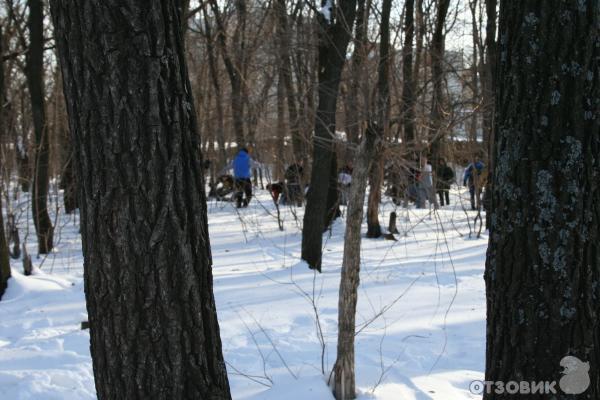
{"x": 472, "y": 178}
{"x": 225, "y": 185}
{"x": 445, "y": 177}
{"x": 293, "y": 183}
{"x": 426, "y": 184}
{"x": 344, "y": 182}
{"x": 242, "y": 166}
{"x": 276, "y": 190}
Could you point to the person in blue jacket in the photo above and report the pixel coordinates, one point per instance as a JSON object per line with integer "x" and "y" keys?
{"x": 469, "y": 178}
{"x": 242, "y": 166}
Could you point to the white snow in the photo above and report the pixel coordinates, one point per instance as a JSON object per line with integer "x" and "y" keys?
{"x": 326, "y": 10}
{"x": 429, "y": 343}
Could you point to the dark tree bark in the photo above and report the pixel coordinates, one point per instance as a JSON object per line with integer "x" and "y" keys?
{"x": 24, "y": 169}
{"x": 280, "y": 156}
{"x": 375, "y": 184}
{"x": 184, "y": 9}
{"x": 4, "y": 252}
{"x": 60, "y": 131}
{"x": 21, "y": 146}
{"x": 543, "y": 262}
{"x": 69, "y": 185}
{"x": 4, "y": 259}
{"x": 437, "y": 75}
{"x": 34, "y": 71}
{"x": 382, "y": 109}
{"x": 332, "y": 209}
{"x": 321, "y": 205}
{"x": 408, "y": 84}
{"x": 148, "y": 278}
{"x": 488, "y": 92}
{"x": 392, "y": 225}
{"x": 488, "y": 75}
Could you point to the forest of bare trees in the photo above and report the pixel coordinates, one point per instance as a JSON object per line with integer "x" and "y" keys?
{"x": 128, "y": 115}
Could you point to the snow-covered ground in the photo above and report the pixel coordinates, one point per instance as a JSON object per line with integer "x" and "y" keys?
{"x": 420, "y": 322}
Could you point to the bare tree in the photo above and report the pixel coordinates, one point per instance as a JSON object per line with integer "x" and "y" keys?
{"x": 4, "y": 252}
{"x": 353, "y": 116}
{"x": 474, "y": 82}
{"x": 437, "y": 66}
{"x": 344, "y": 369}
{"x": 218, "y": 94}
{"x": 335, "y": 27}
{"x": 147, "y": 263}
{"x": 34, "y": 71}
{"x": 408, "y": 84}
{"x": 233, "y": 62}
{"x": 285, "y": 67}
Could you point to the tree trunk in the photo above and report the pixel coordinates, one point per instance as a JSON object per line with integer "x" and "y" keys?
{"x": 233, "y": 66}
{"x": 344, "y": 368}
{"x": 184, "y": 9}
{"x": 64, "y": 145}
{"x": 382, "y": 109}
{"x": 303, "y": 60}
{"x": 408, "y": 84}
{"x": 420, "y": 29}
{"x": 21, "y": 146}
{"x": 69, "y": 184}
{"x": 4, "y": 260}
{"x": 34, "y": 71}
{"x": 280, "y": 155}
{"x": 489, "y": 90}
{"x": 214, "y": 74}
{"x": 23, "y": 167}
{"x": 543, "y": 262}
{"x": 147, "y": 265}
{"x": 344, "y": 371}
{"x": 354, "y": 121}
{"x": 286, "y": 74}
{"x": 322, "y": 198}
{"x": 472, "y": 131}
{"x": 437, "y": 71}
{"x": 332, "y": 209}
{"x": 375, "y": 183}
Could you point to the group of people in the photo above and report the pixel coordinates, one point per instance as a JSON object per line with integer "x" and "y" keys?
{"x": 242, "y": 166}
{"x": 421, "y": 183}
{"x": 287, "y": 192}
{"x": 424, "y": 182}
{"x": 476, "y": 178}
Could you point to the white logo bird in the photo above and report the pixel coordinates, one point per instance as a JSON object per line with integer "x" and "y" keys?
{"x": 576, "y": 379}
